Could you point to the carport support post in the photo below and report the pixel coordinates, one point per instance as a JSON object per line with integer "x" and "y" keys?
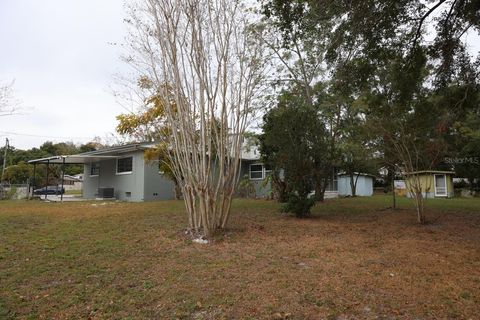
{"x": 63, "y": 177}
{"x": 33, "y": 178}
{"x": 46, "y": 186}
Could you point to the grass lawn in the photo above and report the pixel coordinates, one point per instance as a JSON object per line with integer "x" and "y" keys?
{"x": 74, "y": 192}
{"x": 353, "y": 259}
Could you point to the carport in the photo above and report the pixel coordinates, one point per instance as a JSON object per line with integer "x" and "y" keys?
{"x": 62, "y": 161}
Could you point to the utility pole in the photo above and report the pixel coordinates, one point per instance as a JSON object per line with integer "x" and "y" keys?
{"x": 5, "y": 158}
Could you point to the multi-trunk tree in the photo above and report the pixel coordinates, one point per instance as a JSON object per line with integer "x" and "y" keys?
{"x": 206, "y": 67}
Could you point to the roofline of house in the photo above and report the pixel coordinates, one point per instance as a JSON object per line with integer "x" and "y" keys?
{"x": 121, "y": 149}
{"x": 107, "y": 153}
{"x": 356, "y": 173}
{"x": 429, "y": 171}
{"x": 47, "y": 159}
{"x": 71, "y": 159}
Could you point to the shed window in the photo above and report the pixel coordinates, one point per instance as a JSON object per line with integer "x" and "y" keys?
{"x": 256, "y": 172}
{"x": 332, "y": 184}
{"x": 124, "y": 165}
{"x": 440, "y": 185}
{"x": 94, "y": 169}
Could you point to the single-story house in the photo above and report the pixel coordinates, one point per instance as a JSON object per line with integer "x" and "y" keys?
{"x": 364, "y": 187}
{"x": 434, "y": 184}
{"x": 338, "y": 186}
{"x": 256, "y": 172}
{"x": 123, "y": 173}
{"x": 119, "y": 172}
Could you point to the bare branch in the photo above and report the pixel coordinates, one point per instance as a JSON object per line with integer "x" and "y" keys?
{"x": 8, "y": 105}
{"x": 422, "y": 20}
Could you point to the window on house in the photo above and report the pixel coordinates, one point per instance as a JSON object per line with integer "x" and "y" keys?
{"x": 332, "y": 184}
{"x": 124, "y": 165}
{"x": 256, "y": 172}
{"x": 268, "y": 169}
{"x": 94, "y": 169}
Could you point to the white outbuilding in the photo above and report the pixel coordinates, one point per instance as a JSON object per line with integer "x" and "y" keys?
{"x": 364, "y": 187}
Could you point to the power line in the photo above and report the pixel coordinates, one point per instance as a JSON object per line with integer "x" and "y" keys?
{"x": 40, "y": 136}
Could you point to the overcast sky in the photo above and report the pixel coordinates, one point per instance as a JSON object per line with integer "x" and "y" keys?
{"x": 60, "y": 54}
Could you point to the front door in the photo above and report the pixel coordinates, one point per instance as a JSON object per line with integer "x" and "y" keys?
{"x": 440, "y": 185}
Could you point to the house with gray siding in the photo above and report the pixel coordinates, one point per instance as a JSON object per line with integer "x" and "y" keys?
{"x": 123, "y": 173}
{"x": 135, "y": 179}
{"x": 127, "y": 172}
{"x": 255, "y": 171}
{"x": 120, "y": 172}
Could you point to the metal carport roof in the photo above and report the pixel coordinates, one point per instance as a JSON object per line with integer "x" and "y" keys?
{"x": 72, "y": 159}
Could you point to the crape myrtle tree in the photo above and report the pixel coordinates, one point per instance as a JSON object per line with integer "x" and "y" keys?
{"x": 207, "y": 67}
{"x": 415, "y": 85}
{"x": 415, "y": 120}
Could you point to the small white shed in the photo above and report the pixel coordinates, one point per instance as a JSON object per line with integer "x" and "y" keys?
{"x": 364, "y": 186}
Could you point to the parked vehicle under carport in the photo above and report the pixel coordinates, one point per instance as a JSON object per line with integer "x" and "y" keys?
{"x": 56, "y": 190}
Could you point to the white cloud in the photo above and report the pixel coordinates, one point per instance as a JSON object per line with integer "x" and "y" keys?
{"x": 61, "y": 56}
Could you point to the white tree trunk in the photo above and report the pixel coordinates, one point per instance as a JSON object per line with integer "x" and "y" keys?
{"x": 208, "y": 68}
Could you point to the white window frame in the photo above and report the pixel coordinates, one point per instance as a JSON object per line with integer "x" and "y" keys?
{"x": 91, "y": 165}
{"x": 435, "y": 185}
{"x": 250, "y": 171}
{"x": 265, "y": 171}
{"x": 335, "y": 180}
{"x": 125, "y": 172}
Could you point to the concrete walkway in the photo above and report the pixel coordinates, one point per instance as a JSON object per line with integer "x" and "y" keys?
{"x": 66, "y": 197}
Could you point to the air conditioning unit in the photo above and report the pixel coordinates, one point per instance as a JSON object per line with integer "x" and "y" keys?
{"x": 106, "y": 193}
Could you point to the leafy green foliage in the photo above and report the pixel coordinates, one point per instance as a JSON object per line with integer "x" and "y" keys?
{"x": 298, "y": 205}
{"x": 148, "y": 124}
{"x": 379, "y": 58}
{"x": 467, "y": 159}
{"x": 411, "y": 95}
{"x": 19, "y": 171}
{"x": 294, "y": 142}
{"x": 246, "y": 188}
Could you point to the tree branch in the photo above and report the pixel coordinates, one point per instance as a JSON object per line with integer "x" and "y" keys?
{"x": 422, "y": 20}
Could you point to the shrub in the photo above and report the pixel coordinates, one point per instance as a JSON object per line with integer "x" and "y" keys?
{"x": 246, "y": 189}
{"x": 300, "y": 206}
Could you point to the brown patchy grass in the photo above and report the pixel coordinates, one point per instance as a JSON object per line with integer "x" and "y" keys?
{"x": 351, "y": 260}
